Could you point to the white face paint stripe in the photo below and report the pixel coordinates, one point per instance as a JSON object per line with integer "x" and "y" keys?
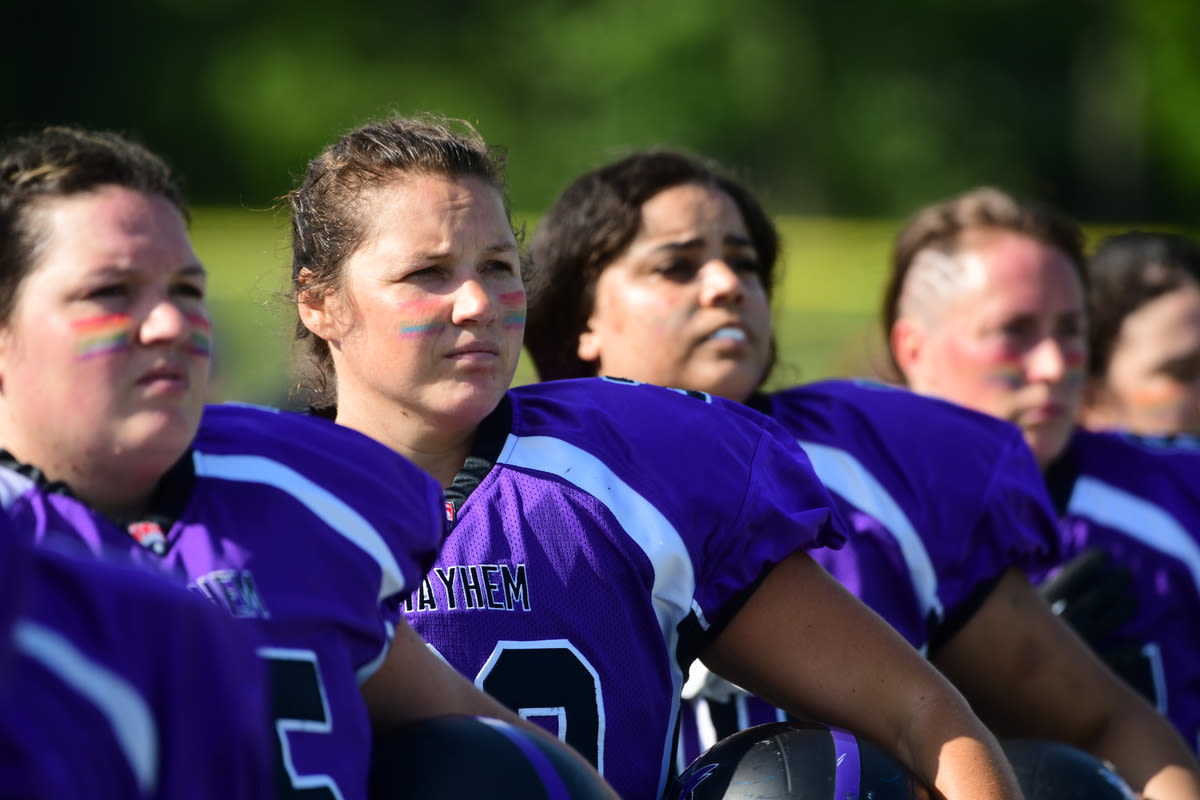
{"x": 674, "y": 579}
{"x": 119, "y": 701}
{"x": 1138, "y": 519}
{"x": 320, "y": 501}
{"x": 845, "y": 475}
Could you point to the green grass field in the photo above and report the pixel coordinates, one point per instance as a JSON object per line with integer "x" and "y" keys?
{"x": 832, "y": 278}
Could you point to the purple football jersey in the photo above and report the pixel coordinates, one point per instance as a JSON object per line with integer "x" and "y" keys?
{"x": 309, "y": 531}
{"x": 115, "y": 684}
{"x": 1139, "y": 499}
{"x": 941, "y": 501}
{"x": 604, "y": 532}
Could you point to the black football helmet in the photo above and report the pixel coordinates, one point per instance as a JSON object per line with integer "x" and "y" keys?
{"x": 1053, "y": 771}
{"x": 473, "y": 757}
{"x": 793, "y": 760}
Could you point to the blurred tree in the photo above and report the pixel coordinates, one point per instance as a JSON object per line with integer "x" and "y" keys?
{"x": 862, "y": 108}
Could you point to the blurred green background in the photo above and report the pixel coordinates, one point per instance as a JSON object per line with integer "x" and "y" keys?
{"x": 825, "y": 308}
{"x": 837, "y": 113}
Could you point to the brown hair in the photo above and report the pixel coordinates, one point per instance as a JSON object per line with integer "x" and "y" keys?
{"x": 1126, "y": 272}
{"x": 590, "y": 224}
{"x": 60, "y": 162}
{"x": 940, "y": 227}
{"x": 326, "y": 208}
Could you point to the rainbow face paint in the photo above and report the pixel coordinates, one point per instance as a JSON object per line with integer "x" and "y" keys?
{"x": 102, "y": 335}
{"x": 418, "y": 313}
{"x": 417, "y": 330}
{"x": 200, "y": 335}
{"x": 1009, "y": 375}
{"x": 516, "y": 317}
{"x": 1073, "y": 368}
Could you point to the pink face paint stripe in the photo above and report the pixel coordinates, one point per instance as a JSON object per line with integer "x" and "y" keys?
{"x": 513, "y": 298}
{"x": 103, "y": 323}
{"x": 200, "y": 336}
{"x": 102, "y": 335}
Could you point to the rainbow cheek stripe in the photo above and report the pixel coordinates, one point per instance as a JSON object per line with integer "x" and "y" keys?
{"x": 516, "y": 317}
{"x": 1010, "y": 376}
{"x": 415, "y": 310}
{"x": 1073, "y": 368}
{"x": 200, "y": 335}
{"x": 420, "y": 329}
{"x": 103, "y": 335}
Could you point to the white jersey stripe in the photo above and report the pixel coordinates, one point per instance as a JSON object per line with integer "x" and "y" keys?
{"x": 1138, "y": 519}
{"x": 845, "y": 475}
{"x": 332, "y": 510}
{"x": 674, "y": 578}
{"x": 119, "y": 701}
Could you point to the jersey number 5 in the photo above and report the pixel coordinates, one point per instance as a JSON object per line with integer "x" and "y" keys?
{"x": 298, "y": 704}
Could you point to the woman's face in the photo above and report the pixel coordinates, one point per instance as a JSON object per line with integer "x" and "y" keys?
{"x": 105, "y": 358}
{"x": 1152, "y": 385}
{"x": 1011, "y": 343}
{"x": 429, "y": 321}
{"x": 683, "y": 306}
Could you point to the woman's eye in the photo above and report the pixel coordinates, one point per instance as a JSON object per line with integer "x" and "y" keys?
{"x": 423, "y": 273}
{"x": 106, "y": 292}
{"x": 1019, "y": 329}
{"x": 190, "y": 290}
{"x": 1185, "y": 369}
{"x": 748, "y": 264}
{"x": 500, "y": 266}
{"x": 1072, "y": 327}
{"x": 676, "y": 268}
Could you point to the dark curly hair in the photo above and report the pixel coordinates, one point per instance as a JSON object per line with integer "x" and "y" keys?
{"x": 590, "y": 225}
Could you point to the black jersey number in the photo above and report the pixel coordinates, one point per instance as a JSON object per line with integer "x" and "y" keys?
{"x": 298, "y": 704}
{"x": 550, "y": 678}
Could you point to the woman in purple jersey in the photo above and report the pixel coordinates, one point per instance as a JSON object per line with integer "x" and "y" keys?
{"x": 115, "y": 685}
{"x": 104, "y": 364}
{"x": 658, "y": 267}
{"x": 408, "y": 281}
{"x": 986, "y": 306}
{"x": 1144, "y": 335}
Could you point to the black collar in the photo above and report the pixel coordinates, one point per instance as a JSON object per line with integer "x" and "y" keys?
{"x": 1061, "y": 476}
{"x": 166, "y": 506}
{"x": 489, "y": 441}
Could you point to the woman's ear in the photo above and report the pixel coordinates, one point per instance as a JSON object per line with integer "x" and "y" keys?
{"x": 588, "y": 348}
{"x": 318, "y": 310}
{"x": 907, "y": 340}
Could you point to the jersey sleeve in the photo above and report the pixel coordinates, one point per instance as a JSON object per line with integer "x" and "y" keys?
{"x": 374, "y": 497}
{"x": 1016, "y": 527}
{"x": 111, "y": 660}
{"x": 783, "y": 508}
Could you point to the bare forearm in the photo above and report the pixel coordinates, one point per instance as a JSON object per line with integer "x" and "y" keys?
{"x": 803, "y": 643}
{"x": 968, "y": 762}
{"x": 1150, "y": 756}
